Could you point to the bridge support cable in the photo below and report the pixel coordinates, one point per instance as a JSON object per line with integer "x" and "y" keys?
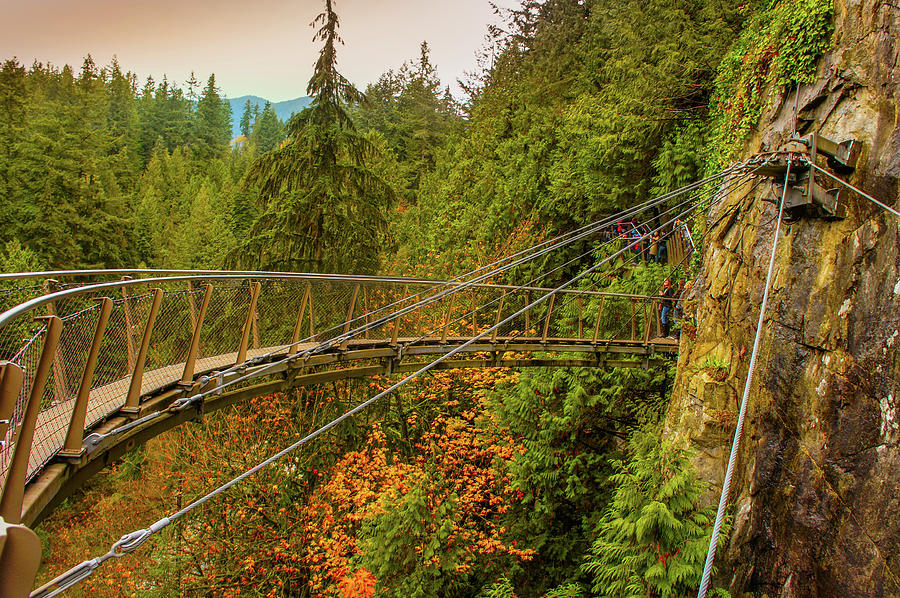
{"x": 723, "y": 192}
{"x": 94, "y": 439}
{"x": 130, "y": 542}
{"x": 568, "y": 238}
{"x": 695, "y": 201}
{"x": 853, "y": 188}
{"x": 736, "y": 442}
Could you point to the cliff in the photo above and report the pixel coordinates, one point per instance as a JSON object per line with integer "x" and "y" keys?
{"x": 817, "y": 486}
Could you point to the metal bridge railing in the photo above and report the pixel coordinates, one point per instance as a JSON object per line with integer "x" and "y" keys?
{"x": 107, "y": 345}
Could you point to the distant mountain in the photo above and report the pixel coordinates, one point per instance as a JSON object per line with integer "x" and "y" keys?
{"x": 282, "y": 109}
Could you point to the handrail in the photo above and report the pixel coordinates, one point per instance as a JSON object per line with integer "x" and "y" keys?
{"x": 125, "y": 271}
{"x": 42, "y": 300}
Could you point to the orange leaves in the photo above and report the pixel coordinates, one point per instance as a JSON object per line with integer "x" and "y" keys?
{"x": 454, "y": 487}
{"x": 361, "y": 584}
{"x": 297, "y": 527}
{"x": 348, "y": 496}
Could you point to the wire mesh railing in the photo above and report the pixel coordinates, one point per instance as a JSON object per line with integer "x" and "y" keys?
{"x": 204, "y": 323}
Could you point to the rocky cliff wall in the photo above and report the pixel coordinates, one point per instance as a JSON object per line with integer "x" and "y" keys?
{"x": 817, "y": 491}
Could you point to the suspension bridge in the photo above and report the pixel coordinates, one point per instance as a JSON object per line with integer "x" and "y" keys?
{"x": 97, "y": 362}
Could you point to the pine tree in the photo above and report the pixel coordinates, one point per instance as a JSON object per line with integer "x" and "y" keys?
{"x": 246, "y": 121}
{"x": 212, "y": 123}
{"x": 322, "y": 207}
{"x": 268, "y": 131}
{"x": 427, "y": 121}
{"x": 192, "y": 85}
{"x": 123, "y": 125}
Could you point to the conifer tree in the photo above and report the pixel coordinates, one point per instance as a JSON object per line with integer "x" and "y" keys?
{"x": 246, "y": 121}
{"x": 322, "y": 207}
{"x": 268, "y": 131}
{"x": 123, "y": 125}
{"x": 212, "y": 123}
{"x": 192, "y": 85}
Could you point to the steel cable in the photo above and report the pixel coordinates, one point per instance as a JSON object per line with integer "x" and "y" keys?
{"x": 694, "y": 201}
{"x": 736, "y": 443}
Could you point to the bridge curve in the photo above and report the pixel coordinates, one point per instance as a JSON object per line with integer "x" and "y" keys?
{"x": 110, "y": 365}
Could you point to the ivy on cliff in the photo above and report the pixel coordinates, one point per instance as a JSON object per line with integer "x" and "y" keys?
{"x": 779, "y": 46}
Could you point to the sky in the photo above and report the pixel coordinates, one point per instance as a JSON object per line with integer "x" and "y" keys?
{"x": 259, "y": 47}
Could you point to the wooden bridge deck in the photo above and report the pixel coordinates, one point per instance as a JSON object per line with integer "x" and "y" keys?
{"x": 105, "y": 401}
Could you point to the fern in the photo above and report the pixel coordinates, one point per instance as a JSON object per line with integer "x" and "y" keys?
{"x": 653, "y": 537}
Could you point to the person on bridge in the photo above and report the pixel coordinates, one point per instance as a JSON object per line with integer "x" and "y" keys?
{"x": 654, "y": 246}
{"x": 663, "y": 255}
{"x": 666, "y": 305}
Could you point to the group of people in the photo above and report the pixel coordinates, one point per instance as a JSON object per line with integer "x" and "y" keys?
{"x": 653, "y": 249}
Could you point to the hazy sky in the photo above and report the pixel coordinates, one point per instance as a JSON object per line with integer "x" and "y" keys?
{"x": 261, "y": 47}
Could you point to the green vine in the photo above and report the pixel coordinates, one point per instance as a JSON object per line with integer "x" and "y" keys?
{"x": 779, "y": 46}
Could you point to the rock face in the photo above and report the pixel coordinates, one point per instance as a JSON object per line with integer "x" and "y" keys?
{"x": 816, "y": 494}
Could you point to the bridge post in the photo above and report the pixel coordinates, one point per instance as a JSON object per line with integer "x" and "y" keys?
{"x": 633, "y": 323}
{"x": 295, "y": 337}
{"x": 14, "y": 487}
{"x": 254, "y": 323}
{"x": 20, "y": 557}
{"x": 129, "y": 326}
{"x": 312, "y": 317}
{"x": 191, "y": 360}
{"x": 647, "y": 322}
{"x": 395, "y": 332}
{"x": 446, "y": 325}
{"x": 248, "y": 323}
{"x": 350, "y": 310}
{"x": 11, "y": 380}
{"x": 73, "y": 447}
{"x": 656, "y": 317}
{"x": 132, "y": 401}
{"x": 527, "y": 313}
{"x": 497, "y": 318}
{"x": 60, "y": 390}
{"x": 599, "y": 317}
{"x": 547, "y": 319}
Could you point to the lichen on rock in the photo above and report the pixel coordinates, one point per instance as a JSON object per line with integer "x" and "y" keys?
{"x": 817, "y": 486}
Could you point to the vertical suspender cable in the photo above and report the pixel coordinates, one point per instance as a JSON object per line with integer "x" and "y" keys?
{"x": 735, "y": 445}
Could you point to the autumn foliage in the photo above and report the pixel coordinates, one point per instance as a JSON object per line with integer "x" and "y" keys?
{"x": 381, "y": 505}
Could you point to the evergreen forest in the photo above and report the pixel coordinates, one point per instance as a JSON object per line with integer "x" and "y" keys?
{"x": 492, "y": 483}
